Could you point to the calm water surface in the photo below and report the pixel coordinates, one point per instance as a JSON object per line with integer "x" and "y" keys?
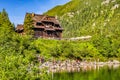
{"x": 105, "y": 73}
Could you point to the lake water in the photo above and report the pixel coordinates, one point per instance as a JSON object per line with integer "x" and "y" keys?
{"x": 104, "y": 73}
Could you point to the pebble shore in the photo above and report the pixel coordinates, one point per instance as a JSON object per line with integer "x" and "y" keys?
{"x": 76, "y": 65}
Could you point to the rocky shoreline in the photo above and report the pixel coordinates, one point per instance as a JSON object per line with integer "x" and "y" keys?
{"x": 76, "y": 65}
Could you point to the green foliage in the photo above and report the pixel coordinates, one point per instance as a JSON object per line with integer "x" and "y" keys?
{"x": 4, "y": 21}
{"x": 28, "y": 24}
{"x": 107, "y": 47}
{"x": 61, "y": 9}
{"x": 17, "y": 55}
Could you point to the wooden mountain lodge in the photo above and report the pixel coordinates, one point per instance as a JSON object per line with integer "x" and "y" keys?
{"x": 44, "y": 26}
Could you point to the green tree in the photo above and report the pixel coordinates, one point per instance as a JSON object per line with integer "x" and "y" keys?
{"x": 28, "y": 24}
{"x": 4, "y": 20}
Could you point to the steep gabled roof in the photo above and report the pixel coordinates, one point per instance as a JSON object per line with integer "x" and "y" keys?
{"x": 51, "y": 19}
{"x": 41, "y": 18}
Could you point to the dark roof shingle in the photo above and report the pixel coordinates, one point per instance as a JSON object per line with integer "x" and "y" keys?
{"x": 19, "y": 27}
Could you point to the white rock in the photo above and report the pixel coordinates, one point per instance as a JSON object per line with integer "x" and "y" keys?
{"x": 93, "y": 24}
{"x": 115, "y": 7}
{"x": 105, "y": 2}
{"x": 116, "y": 62}
{"x": 113, "y": 1}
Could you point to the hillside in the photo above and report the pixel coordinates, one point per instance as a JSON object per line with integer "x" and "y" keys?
{"x": 62, "y": 9}
{"x": 89, "y": 17}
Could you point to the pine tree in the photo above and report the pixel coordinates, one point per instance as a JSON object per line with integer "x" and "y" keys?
{"x": 4, "y": 20}
{"x": 28, "y": 24}
{"x": 6, "y": 30}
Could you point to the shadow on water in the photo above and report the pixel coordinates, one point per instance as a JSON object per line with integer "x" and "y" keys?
{"x": 104, "y": 73}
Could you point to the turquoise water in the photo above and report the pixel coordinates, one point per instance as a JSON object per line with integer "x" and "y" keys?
{"x": 104, "y": 73}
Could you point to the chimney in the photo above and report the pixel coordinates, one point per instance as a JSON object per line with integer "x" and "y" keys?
{"x": 33, "y": 14}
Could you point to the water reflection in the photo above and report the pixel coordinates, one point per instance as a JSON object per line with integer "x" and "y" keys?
{"x": 97, "y": 72}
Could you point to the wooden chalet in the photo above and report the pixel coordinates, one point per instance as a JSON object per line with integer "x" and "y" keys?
{"x": 19, "y": 29}
{"x": 44, "y": 26}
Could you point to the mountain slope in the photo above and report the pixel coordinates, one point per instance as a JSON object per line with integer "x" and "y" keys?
{"x": 89, "y": 17}
{"x": 61, "y": 9}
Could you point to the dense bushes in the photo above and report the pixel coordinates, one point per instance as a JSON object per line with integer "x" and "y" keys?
{"x": 17, "y": 55}
{"x": 95, "y": 48}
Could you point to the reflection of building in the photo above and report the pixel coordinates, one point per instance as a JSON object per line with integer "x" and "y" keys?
{"x": 44, "y": 26}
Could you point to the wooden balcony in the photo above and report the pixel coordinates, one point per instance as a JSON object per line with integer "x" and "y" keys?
{"x": 49, "y": 29}
{"x": 39, "y": 27}
{"x": 58, "y": 28}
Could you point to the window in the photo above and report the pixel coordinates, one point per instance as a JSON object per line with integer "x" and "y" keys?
{"x": 49, "y": 33}
{"x": 58, "y": 26}
{"x": 39, "y": 24}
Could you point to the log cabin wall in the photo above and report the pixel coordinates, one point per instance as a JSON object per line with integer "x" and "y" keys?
{"x": 38, "y": 32}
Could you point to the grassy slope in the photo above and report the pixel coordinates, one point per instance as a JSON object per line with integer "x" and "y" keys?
{"x": 62, "y": 9}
